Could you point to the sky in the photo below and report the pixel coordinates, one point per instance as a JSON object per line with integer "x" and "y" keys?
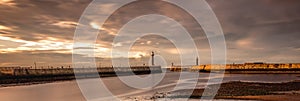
{"x": 42, "y": 31}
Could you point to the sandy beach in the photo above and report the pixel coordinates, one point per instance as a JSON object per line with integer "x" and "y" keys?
{"x": 236, "y": 90}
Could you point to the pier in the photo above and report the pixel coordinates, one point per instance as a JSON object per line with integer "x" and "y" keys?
{"x": 26, "y": 71}
{"x": 9, "y": 75}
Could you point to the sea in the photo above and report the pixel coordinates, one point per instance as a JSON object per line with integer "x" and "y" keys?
{"x": 91, "y": 90}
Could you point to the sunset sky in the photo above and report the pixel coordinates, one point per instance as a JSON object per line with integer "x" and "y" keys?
{"x": 42, "y": 31}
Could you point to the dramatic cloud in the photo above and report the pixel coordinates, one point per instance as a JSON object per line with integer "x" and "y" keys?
{"x": 260, "y": 30}
{"x": 42, "y": 31}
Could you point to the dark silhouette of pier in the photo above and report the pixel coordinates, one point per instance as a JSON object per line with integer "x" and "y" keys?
{"x": 9, "y": 75}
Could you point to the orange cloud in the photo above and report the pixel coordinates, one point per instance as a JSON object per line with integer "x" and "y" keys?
{"x": 7, "y": 2}
{"x": 4, "y": 28}
{"x": 66, "y": 24}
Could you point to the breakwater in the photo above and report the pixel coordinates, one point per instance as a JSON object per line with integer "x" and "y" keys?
{"x": 23, "y": 75}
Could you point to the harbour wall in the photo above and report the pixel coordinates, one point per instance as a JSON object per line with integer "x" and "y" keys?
{"x": 18, "y": 71}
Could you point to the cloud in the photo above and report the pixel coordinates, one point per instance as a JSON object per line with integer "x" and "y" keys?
{"x": 255, "y": 30}
{"x": 4, "y": 28}
{"x": 65, "y": 24}
{"x": 49, "y": 43}
{"x": 259, "y": 30}
{"x": 7, "y": 2}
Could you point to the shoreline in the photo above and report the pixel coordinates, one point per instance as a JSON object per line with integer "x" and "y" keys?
{"x": 235, "y": 90}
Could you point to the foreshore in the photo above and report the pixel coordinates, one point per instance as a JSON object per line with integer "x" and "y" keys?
{"x": 237, "y": 90}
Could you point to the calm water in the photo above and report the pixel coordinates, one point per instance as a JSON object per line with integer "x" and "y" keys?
{"x": 69, "y": 90}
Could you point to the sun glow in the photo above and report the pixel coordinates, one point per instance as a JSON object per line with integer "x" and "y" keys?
{"x": 7, "y": 2}
{"x": 66, "y": 24}
{"x": 50, "y": 43}
{"x": 4, "y": 28}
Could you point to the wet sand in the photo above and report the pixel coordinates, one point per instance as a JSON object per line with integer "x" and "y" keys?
{"x": 286, "y": 91}
{"x": 265, "y": 97}
{"x": 234, "y": 90}
{"x": 276, "y": 96}
{"x": 267, "y": 92}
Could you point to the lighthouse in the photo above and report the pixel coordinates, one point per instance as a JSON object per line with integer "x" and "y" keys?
{"x": 197, "y": 61}
{"x": 152, "y": 58}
